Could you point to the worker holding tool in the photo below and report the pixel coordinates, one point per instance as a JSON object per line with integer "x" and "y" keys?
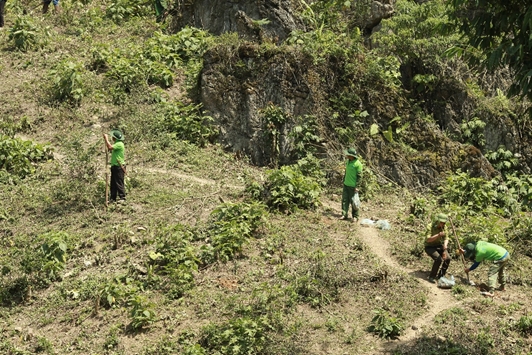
{"x": 480, "y": 251}
{"x": 436, "y": 247}
{"x": 118, "y": 167}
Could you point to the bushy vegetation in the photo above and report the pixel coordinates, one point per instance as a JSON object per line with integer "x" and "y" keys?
{"x": 18, "y": 158}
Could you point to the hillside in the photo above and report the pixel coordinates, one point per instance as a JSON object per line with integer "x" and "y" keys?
{"x": 229, "y": 241}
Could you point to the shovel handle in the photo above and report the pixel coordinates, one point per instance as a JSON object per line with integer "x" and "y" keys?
{"x": 458, "y": 242}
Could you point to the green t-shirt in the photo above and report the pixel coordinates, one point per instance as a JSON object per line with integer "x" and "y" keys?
{"x": 433, "y": 228}
{"x": 117, "y": 156}
{"x": 353, "y": 169}
{"x": 488, "y": 251}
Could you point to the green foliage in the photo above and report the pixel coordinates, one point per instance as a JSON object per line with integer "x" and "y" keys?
{"x": 18, "y": 157}
{"x": 176, "y": 258}
{"x": 141, "y": 312}
{"x": 236, "y": 337}
{"x": 67, "y": 82}
{"x": 274, "y": 119}
{"x": 473, "y": 132}
{"x": 187, "y": 122}
{"x": 231, "y": 226}
{"x": 501, "y": 29}
{"x": 503, "y": 160}
{"x": 477, "y": 195}
{"x": 306, "y": 136}
{"x": 120, "y": 11}
{"x": 384, "y": 325}
{"x": 289, "y": 188}
{"x": 25, "y": 35}
{"x": 55, "y": 254}
{"x": 524, "y": 325}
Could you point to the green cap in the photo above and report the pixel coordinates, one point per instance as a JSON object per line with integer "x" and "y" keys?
{"x": 117, "y": 135}
{"x": 442, "y": 217}
{"x": 351, "y": 152}
{"x": 469, "y": 251}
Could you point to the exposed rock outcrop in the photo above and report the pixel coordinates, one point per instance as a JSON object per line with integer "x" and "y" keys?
{"x": 273, "y": 19}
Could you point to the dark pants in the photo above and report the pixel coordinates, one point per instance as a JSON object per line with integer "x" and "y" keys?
{"x": 117, "y": 183}
{"x": 347, "y": 195}
{"x": 2, "y": 5}
{"x": 436, "y": 253}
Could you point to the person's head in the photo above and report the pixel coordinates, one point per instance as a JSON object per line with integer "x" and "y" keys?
{"x": 469, "y": 251}
{"x": 350, "y": 153}
{"x": 440, "y": 219}
{"x": 116, "y": 135}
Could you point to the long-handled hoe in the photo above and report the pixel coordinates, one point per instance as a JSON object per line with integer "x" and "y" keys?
{"x": 461, "y": 255}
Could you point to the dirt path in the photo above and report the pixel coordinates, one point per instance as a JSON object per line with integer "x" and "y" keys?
{"x": 189, "y": 177}
{"x": 438, "y": 299}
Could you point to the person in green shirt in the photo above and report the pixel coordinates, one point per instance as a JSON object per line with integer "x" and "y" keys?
{"x": 118, "y": 165}
{"x": 436, "y": 245}
{"x": 497, "y": 255}
{"x": 353, "y": 173}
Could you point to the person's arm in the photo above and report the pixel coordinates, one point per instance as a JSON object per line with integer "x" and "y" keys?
{"x": 473, "y": 267}
{"x": 437, "y": 236}
{"x": 107, "y": 143}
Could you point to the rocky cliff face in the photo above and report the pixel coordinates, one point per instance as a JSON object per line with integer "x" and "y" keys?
{"x": 242, "y": 16}
{"x": 239, "y": 82}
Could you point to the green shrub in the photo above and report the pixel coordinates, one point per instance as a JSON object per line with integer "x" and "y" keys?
{"x": 231, "y": 226}
{"x": 67, "y": 82}
{"x": 187, "y": 122}
{"x": 477, "y": 195}
{"x": 288, "y": 188}
{"x": 236, "y": 337}
{"x": 141, "y": 312}
{"x": 384, "y": 325}
{"x": 25, "y": 35}
{"x": 55, "y": 254}
{"x": 120, "y": 11}
{"x": 176, "y": 258}
{"x": 18, "y": 157}
{"x": 524, "y": 325}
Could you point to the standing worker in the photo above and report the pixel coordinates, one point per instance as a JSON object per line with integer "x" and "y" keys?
{"x": 436, "y": 247}
{"x": 480, "y": 251}
{"x": 353, "y": 173}
{"x": 118, "y": 165}
{"x": 46, "y": 4}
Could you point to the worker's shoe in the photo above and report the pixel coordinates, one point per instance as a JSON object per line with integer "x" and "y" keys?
{"x": 487, "y": 294}
{"x": 432, "y": 280}
{"x": 501, "y": 288}
{"x": 343, "y": 218}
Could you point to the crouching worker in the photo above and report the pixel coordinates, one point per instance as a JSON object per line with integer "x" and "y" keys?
{"x": 436, "y": 247}
{"x": 497, "y": 255}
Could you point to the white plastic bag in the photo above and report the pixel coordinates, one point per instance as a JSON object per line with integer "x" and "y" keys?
{"x": 355, "y": 201}
{"x": 444, "y": 282}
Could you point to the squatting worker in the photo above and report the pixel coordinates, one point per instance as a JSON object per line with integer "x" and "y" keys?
{"x": 353, "y": 173}
{"x": 118, "y": 165}
{"x": 497, "y": 255}
{"x": 436, "y": 245}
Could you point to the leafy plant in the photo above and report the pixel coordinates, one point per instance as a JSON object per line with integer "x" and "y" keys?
{"x": 141, "y": 312}
{"x": 55, "y": 254}
{"x": 120, "y": 11}
{"x": 67, "y": 82}
{"x": 288, "y": 188}
{"x": 236, "y": 337}
{"x": 187, "y": 122}
{"x": 524, "y": 325}
{"x": 384, "y": 325}
{"x": 473, "y": 132}
{"x": 17, "y": 156}
{"x": 503, "y": 160}
{"x": 25, "y": 35}
{"x": 306, "y": 137}
{"x": 232, "y": 225}
{"x": 274, "y": 118}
